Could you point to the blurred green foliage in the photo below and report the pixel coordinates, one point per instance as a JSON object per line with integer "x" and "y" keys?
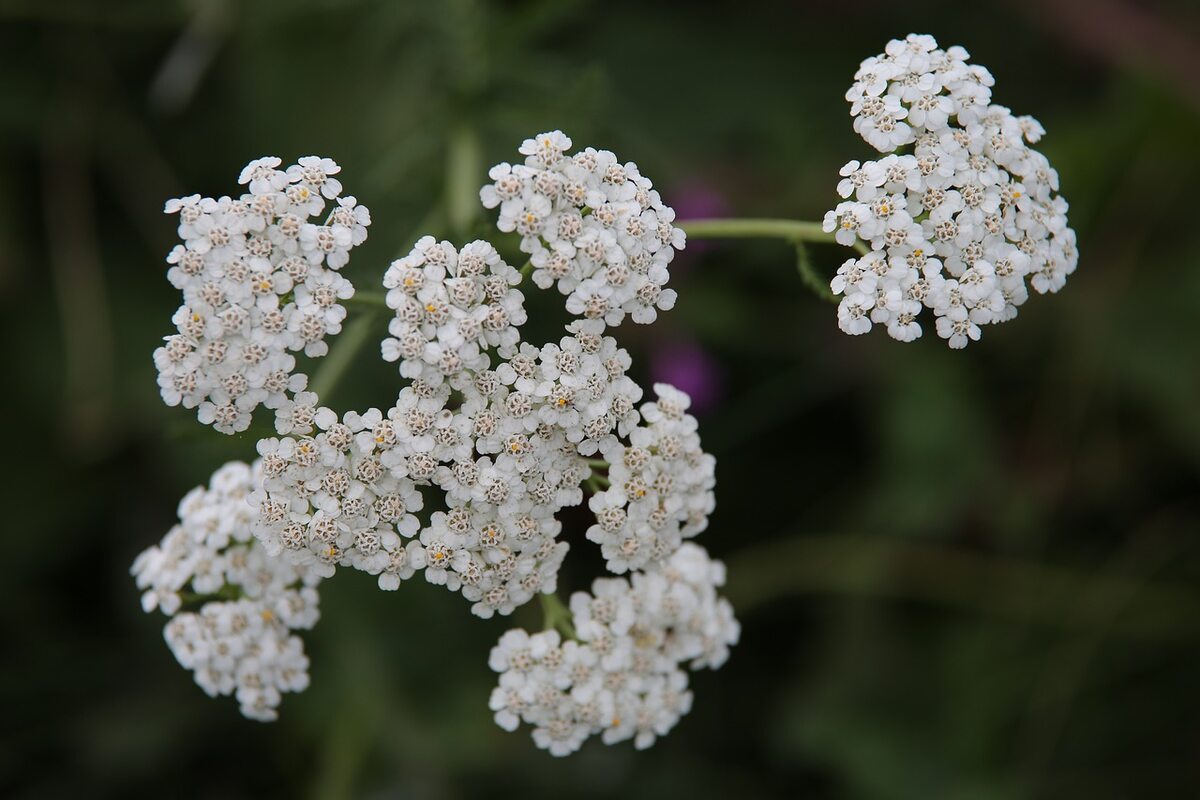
{"x": 961, "y": 574}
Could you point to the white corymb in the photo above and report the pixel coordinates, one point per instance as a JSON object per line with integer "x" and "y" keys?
{"x": 961, "y": 216}
{"x": 621, "y": 675}
{"x": 238, "y": 638}
{"x": 463, "y": 477}
{"x": 661, "y": 483}
{"x": 593, "y": 226}
{"x": 241, "y": 647}
{"x": 259, "y": 281}
{"x": 348, "y": 496}
{"x": 498, "y": 562}
{"x": 451, "y": 308}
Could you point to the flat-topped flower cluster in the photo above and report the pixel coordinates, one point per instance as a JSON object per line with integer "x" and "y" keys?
{"x": 619, "y": 676}
{"x": 594, "y": 227}
{"x": 239, "y": 640}
{"x": 259, "y": 277}
{"x": 960, "y": 215}
{"x": 463, "y": 477}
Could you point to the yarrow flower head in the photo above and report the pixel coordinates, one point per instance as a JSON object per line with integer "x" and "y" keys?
{"x": 259, "y": 278}
{"x": 619, "y": 674}
{"x": 593, "y": 226}
{"x": 960, "y": 214}
{"x": 237, "y": 640}
{"x": 462, "y": 479}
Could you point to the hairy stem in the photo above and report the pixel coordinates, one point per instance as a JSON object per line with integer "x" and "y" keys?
{"x": 809, "y": 276}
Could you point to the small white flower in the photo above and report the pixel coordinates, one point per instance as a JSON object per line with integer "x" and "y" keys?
{"x": 263, "y": 176}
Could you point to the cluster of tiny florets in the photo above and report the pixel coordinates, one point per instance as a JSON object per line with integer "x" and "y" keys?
{"x": 661, "y": 486}
{"x": 349, "y": 495}
{"x": 451, "y": 308}
{"x": 259, "y": 277}
{"x": 620, "y": 675}
{"x": 959, "y": 215}
{"x": 593, "y": 226}
{"x": 463, "y": 477}
{"x": 238, "y": 639}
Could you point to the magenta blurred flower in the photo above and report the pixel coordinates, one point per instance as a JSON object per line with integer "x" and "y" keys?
{"x": 690, "y": 368}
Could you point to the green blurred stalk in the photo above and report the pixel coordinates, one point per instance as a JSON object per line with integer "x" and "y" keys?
{"x": 367, "y": 298}
{"x": 792, "y": 230}
{"x": 556, "y": 616}
{"x": 464, "y": 166}
{"x": 999, "y": 586}
{"x": 809, "y": 275}
{"x": 342, "y": 354}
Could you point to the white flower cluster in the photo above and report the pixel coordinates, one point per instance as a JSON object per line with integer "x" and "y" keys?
{"x": 620, "y": 676}
{"x": 464, "y": 476}
{"x": 347, "y": 497}
{"x": 593, "y": 226}
{"x": 506, "y": 447}
{"x": 259, "y": 277}
{"x": 451, "y": 308}
{"x": 959, "y": 222}
{"x": 241, "y": 644}
{"x": 661, "y": 486}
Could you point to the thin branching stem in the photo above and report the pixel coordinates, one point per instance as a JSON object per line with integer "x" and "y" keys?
{"x": 356, "y": 334}
{"x": 791, "y": 230}
{"x": 367, "y": 299}
{"x": 556, "y": 616}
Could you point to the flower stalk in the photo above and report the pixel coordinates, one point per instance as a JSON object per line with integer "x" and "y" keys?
{"x": 557, "y": 616}
{"x": 790, "y": 230}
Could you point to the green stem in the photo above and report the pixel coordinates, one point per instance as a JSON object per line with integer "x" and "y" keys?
{"x": 227, "y": 592}
{"x": 342, "y": 354}
{"x": 792, "y": 230}
{"x": 370, "y": 299}
{"x": 556, "y": 616}
{"x": 464, "y": 163}
{"x": 527, "y": 269}
{"x": 809, "y": 276}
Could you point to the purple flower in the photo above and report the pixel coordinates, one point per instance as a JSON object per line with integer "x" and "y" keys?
{"x": 688, "y": 367}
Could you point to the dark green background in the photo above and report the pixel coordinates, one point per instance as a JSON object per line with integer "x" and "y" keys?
{"x": 960, "y": 574}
